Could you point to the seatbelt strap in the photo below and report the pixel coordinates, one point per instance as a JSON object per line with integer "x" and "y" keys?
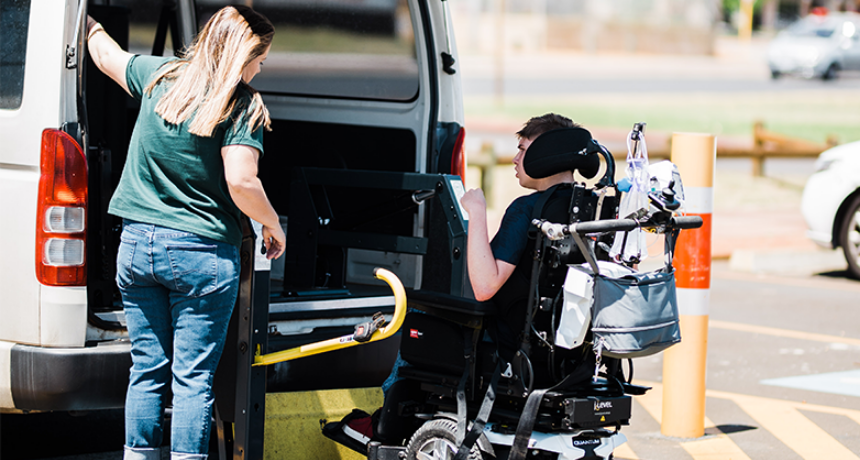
{"x": 526, "y": 425}
{"x": 461, "y": 387}
{"x": 483, "y": 415}
{"x": 527, "y": 420}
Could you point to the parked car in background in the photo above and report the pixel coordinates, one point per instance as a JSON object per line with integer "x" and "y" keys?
{"x": 817, "y": 46}
{"x": 831, "y": 202}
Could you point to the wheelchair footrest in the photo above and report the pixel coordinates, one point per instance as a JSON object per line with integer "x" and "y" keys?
{"x": 377, "y": 451}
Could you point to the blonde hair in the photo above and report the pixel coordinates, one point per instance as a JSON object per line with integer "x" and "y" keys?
{"x": 205, "y": 79}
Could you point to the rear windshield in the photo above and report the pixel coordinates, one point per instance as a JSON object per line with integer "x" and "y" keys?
{"x": 14, "y": 24}
{"x": 355, "y": 49}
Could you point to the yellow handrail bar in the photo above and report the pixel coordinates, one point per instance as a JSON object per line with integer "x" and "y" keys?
{"x": 345, "y": 341}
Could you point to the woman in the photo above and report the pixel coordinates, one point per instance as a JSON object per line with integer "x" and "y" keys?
{"x": 191, "y": 171}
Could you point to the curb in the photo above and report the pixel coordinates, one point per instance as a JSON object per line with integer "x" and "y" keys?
{"x": 787, "y": 261}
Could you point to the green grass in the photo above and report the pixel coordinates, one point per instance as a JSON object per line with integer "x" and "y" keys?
{"x": 812, "y": 115}
{"x": 326, "y": 40}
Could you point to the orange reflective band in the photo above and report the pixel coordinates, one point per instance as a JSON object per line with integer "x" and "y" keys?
{"x": 693, "y": 256}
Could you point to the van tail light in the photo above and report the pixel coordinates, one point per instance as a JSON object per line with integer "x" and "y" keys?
{"x": 458, "y": 156}
{"x": 61, "y": 212}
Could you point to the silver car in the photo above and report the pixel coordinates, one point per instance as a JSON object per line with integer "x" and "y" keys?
{"x": 819, "y": 45}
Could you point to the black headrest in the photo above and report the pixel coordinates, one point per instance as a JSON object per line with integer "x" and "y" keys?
{"x": 559, "y": 150}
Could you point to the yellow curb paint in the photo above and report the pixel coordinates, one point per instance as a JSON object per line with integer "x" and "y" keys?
{"x": 717, "y": 447}
{"x": 624, "y": 452}
{"x": 293, "y": 422}
{"x": 787, "y": 333}
{"x": 780, "y": 418}
{"x": 794, "y": 430}
{"x": 684, "y": 380}
{"x": 652, "y": 401}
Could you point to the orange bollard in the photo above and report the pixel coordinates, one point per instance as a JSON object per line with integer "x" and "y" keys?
{"x": 684, "y": 364}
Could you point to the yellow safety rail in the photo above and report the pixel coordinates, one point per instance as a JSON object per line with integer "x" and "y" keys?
{"x": 346, "y": 341}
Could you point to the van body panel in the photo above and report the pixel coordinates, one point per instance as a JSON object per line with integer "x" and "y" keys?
{"x": 64, "y": 316}
{"x": 21, "y": 129}
{"x": 6, "y": 401}
{"x": 450, "y": 90}
{"x": 19, "y": 303}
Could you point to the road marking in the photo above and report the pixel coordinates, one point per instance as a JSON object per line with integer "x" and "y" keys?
{"x": 794, "y": 429}
{"x": 713, "y": 447}
{"x": 624, "y": 452}
{"x": 841, "y": 383}
{"x": 781, "y": 418}
{"x": 782, "y": 332}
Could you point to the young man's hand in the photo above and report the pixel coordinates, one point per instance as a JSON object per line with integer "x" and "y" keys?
{"x": 474, "y": 202}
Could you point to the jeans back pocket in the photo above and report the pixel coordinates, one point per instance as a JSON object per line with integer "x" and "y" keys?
{"x": 194, "y": 267}
{"x": 124, "y": 262}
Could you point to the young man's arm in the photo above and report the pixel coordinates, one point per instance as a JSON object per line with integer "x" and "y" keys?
{"x": 486, "y": 273}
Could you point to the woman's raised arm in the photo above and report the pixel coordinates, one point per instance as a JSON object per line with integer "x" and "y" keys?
{"x": 106, "y": 54}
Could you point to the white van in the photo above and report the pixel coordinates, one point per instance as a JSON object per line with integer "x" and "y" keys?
{"x": 367, "y": 140}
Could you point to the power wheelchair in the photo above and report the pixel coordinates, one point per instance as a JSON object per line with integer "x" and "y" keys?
{"x": 485, "y": 379}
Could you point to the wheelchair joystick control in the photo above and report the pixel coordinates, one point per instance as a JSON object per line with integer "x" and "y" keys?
{"x": 665, "y": 201}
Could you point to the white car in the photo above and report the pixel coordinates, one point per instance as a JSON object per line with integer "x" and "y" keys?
{"x": 831, "y": 202}
{"x": 819, "y": 45}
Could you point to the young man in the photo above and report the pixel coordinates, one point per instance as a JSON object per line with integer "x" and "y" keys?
{"x": 493, "y": 265}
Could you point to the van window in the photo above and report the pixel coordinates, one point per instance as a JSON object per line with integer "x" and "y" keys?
{"x": 144, "y": 19}
{"x": 14, "y": 23}
{"x": 356, "y": 49}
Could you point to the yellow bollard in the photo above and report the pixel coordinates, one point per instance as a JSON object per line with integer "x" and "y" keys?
{"x": 684, "y": 364}
{"x": 746, "y": 20}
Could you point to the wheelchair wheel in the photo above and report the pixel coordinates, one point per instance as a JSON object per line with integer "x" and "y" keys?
{"x": 437, "y": 440}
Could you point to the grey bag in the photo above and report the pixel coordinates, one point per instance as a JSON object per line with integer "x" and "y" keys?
{"x": 635, "y": 315}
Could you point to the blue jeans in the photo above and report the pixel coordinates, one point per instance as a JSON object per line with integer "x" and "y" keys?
{"x": 178, "y": 291}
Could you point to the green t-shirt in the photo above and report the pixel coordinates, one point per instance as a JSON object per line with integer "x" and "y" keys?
{"x": 173, "y": 178}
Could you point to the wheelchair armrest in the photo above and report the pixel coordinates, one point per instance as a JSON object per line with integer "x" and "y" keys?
{"x": 459, "y": 309}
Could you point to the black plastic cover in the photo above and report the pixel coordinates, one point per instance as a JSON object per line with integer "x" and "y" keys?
{"x": 70, "y": 378}
{"x": 559, "y": 150}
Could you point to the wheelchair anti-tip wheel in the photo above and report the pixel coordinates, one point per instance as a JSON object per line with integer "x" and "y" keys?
{"x": 437, "y": 440}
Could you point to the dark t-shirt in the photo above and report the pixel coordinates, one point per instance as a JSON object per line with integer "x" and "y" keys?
{"x": 510, "y": 244}
{"x": 512, "y": 238}
{"x": 173, "y": 178}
